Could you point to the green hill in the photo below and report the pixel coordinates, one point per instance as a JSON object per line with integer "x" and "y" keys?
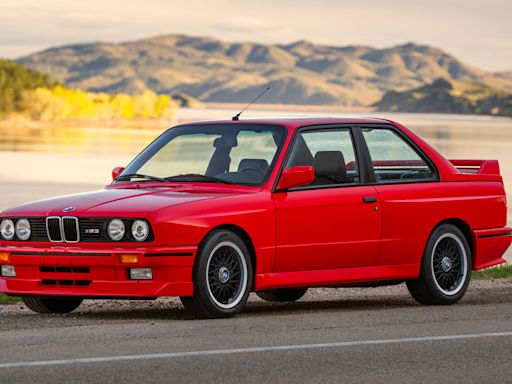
{"x": 444, "y": 96}
{"x": 14, "y": 79}
{"x": 218, "y": 71}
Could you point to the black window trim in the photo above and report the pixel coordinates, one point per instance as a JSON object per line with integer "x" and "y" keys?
{"x": 362, "y": 153}
{"x": 364, "y": 177}
{"x": 423, "y": 156}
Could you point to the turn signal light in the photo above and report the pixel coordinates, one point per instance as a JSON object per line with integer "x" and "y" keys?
{"x": 129, "y": 259}
{"x": 4, "y": 257}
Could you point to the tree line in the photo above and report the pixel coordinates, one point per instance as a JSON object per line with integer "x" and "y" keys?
{"x": 35, "y": 95}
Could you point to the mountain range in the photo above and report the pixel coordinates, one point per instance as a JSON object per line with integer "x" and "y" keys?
{"x": 443, "y": 96}
{"x": 213, "y": 70}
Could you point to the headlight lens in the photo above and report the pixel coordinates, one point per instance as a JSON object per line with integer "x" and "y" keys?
{"x": 116, "y": 229}
{"x": 23, "y": 229}
{"x": 140, "y": 230}
{"x": 7, "y": 229}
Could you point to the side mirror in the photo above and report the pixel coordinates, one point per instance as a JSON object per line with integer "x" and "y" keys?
{"x": 296, "y": 176}
{"x": 116, "y": 172}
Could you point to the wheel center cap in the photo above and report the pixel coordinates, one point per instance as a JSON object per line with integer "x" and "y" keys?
{"x": 223, "y": 275}
{"x": 446, "y": 264}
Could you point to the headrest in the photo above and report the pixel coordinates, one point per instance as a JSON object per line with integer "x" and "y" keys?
{"x": 225, "y": 142}
{"x": 260, "y": 164}
{"x": 329, "y": 163}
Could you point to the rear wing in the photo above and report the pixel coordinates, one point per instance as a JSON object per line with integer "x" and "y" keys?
{"x": 478, "y": 169}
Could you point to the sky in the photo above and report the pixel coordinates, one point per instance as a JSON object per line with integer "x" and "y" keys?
{"x": 479, "y": 32}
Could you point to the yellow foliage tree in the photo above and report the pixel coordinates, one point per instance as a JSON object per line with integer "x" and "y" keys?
{"x": 61, "y": 103}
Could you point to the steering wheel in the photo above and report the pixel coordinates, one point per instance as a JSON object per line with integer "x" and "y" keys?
{"x": 408, "y": 175}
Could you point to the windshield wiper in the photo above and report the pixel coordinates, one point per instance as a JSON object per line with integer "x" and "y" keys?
{"x": 197, "y": 177}
{"x": 130, "y": 176}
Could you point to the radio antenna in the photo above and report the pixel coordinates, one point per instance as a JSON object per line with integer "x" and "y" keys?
{"x": 237, "y": 116}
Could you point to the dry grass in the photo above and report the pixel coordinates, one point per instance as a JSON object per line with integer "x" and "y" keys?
{"x": 500, "y": 272}
{"x": 8, "y": 299}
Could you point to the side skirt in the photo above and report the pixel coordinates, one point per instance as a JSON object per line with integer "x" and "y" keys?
{"x": 336, "y": 277}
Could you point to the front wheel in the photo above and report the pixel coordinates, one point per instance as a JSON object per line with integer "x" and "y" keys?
{"x": 40, "y": 304}
{"x": 222, "y": 277}
{"x": 445, "y": 268}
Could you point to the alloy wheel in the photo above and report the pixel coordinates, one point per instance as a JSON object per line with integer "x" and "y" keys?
{"x": 226, "y": 274}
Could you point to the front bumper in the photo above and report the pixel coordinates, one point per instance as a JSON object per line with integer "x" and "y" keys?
{"x": 97, "y": 272}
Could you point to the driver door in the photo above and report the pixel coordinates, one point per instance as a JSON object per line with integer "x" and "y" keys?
{"x": 335, "y": 222}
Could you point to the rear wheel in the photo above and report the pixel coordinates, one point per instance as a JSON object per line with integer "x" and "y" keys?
{"x": 222, "y": 277}
{"x": 445, "y": 269}
{"x": 282, "y": 294}
{"x": 51, "y": 304}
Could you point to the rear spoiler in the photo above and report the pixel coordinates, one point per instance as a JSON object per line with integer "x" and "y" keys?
{"x": 479, "y": 167}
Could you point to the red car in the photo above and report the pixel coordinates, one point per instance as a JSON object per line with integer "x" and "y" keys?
{"x": 212, "y": 211}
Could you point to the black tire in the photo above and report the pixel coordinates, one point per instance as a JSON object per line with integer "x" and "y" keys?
{"x": 282, "y": 294}
{"x": 51, "y": 304}
{"x": 445, "y": 268}
{"x": 222, "y": 275}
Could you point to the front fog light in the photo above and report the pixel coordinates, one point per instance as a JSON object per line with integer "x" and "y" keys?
{"x": 8, "y": 271}
{"x": 141, "y": 274}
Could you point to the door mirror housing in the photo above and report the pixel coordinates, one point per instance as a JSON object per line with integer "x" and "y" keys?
{"x": 296, "y": 176}
{"x": 116, "y": 172}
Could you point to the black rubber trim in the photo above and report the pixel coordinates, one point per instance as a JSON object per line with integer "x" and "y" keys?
{"x": 174, "y": 254}
{"x": 495, "y": 235}
{"x": 363, "y": 155}
{"x": 58, "y": 254}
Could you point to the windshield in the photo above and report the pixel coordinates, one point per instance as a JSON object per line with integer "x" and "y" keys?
{"x": 232, "y": 154}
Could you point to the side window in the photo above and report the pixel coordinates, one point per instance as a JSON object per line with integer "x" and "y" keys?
{"x": 330, "y": 153}
{"x": 393, "y": 159}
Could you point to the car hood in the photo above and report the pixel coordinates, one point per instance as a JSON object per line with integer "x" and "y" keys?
{"x": 119, "y": 201}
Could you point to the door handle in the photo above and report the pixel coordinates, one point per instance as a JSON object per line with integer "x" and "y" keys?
{"x": 369, "y": 199}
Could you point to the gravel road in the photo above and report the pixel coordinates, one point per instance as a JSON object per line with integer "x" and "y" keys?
{"x": 373, "y": 335}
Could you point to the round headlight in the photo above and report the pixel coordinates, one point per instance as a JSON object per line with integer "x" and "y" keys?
{"x": 7, "y": 229}
{"x": 116, "y": 229}
{"x": 140, "y": 230}
{"x": 23, "y": 229}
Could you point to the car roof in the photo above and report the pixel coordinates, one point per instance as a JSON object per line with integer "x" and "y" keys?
{"x": 298, "y": 122}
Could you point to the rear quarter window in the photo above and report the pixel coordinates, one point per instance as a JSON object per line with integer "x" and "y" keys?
{"x": 393, "y": 159}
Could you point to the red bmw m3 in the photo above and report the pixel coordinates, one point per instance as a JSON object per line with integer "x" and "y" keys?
{"x": 213, "y": 211}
